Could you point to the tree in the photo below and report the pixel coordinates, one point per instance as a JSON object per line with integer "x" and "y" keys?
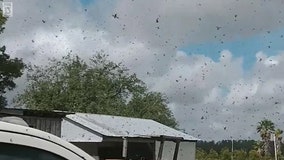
{"x": 200, "y": 154}
{"x": 254, "y": 155}
{"x": 265, "y": 127}
{"x": 259, "y": 147}
{"x": 149, "y": 104}
{"x": 9, "y": 68}
{"x": 212, "y": 155}
{"x": 97, "y": 86}
{"x": 225, "y": 154}
{"x": 240, "y": 155}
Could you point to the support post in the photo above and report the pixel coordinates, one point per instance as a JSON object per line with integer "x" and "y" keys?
{"x": 161, "y": 150}
{"x": 176, "y": 150}
{"x": 124, "y": 148}
{"x": 275, "y": 146}
{"x": 232, "y": 156}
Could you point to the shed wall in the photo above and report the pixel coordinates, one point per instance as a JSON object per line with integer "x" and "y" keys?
{"x": 186, "y": 150}
{"x": 50, "y": 125}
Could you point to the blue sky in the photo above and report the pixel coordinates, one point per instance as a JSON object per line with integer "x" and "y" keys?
{"x": 87, "y": 2}
{"x": 270, "y": 43}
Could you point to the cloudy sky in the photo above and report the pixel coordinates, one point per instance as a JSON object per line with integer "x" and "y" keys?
{"x": 219, "y": 62}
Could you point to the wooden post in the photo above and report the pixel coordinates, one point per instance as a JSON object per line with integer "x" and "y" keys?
{"x": 161, "y": 150}
{"x": 124, "y": 148}
{"x": 176, "y": 150}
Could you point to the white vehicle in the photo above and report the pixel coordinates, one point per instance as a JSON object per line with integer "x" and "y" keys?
{"x": 24, "y": 143}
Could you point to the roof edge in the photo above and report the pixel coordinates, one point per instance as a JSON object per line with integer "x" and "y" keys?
{"x": 82, "y": 126}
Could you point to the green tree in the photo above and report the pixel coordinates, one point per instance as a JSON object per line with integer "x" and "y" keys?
{"x": 200, "y": 154}
{"x": 265, "y": 127}
{"x": 240, "y": 155}
{"x": 148, "y": 104}
{"x": 97, "y": 86}
{"x": 212, "y": 155}
{"x": 259, "y": 147}
{"x": 254, "y": 155}
{"x": 225, "y": 154}
{"x": 9, "y": 68}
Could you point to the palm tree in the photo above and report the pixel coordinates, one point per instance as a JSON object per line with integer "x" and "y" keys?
{"x": 278, "y": 137}
{"x": 258, "y": 146}
{"x": 264, "y": 128}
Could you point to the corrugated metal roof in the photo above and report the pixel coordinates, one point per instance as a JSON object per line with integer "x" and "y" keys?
{"x": 116, "y": 126}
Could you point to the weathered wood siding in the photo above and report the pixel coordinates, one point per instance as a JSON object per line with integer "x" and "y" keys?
{"x": 50, "y": 125}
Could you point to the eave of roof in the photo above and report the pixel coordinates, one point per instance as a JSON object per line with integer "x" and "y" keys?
{"x": 36, "y": 113}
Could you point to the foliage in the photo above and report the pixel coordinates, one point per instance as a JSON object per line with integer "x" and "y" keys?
{"x": 213, "y": 155}
{"x": 98, "y": 86}
{"x": 278, "y": 136}
{"x": 200, "y": 154}
{"x": 225, "y": 154}
{"x": 254, "y": 155}
{"x": 240, "y": 155}
{"x": 259, "y": 147}
{"x": 9, "y": 68}
{"x": 245, "y": 145}
{"x": 264, "y": 128}
{"x": 245, "y": 149}
{"x": 151, "y": 105}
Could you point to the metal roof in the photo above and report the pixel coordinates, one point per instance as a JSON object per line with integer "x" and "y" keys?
{"x": 116, "y": 126}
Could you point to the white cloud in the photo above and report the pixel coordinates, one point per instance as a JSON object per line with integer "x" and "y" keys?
{"x": 212, "y": 99}
{"x": 183, "y": 21}
{"x": 226, "y": 102}
{"x": 191, "y": 78}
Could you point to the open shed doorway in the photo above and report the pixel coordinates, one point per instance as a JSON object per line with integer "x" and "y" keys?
{"x": 135, "y": 151}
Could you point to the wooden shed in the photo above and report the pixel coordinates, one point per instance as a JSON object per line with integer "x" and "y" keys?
{"x": 113, "y": 137}
{"x": 48, "y": 121}
{"x": 108, "y": 137}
